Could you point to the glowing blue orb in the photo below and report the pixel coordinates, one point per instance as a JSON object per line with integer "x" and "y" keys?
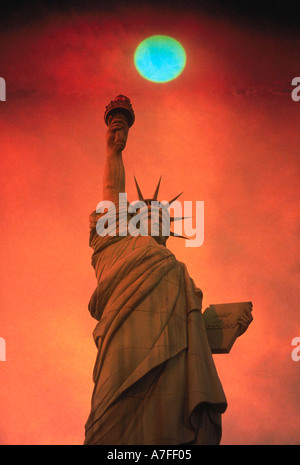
{"x": 160, "y": 58}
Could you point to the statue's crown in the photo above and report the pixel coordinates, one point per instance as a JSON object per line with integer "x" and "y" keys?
{"x": 120, "y": 104}
{"x": 148, "y": 203}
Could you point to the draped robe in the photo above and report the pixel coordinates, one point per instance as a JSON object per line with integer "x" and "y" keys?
{"x": 155, "y": 380}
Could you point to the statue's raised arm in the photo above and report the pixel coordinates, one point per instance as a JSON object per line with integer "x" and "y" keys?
{"x": 119, "y": 117}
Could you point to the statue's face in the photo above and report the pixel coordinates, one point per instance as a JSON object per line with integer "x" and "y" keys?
{"x": 160, "y": 239}
{"x": 156, "y": 225}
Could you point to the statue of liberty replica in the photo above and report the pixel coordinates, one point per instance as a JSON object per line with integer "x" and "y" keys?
{"x": 155, "y": 381}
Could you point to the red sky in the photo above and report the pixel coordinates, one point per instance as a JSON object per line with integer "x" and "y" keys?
{"x": 226, "y": 131}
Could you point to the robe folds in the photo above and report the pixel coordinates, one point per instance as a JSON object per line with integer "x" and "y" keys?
{"x": 155, "y": 381}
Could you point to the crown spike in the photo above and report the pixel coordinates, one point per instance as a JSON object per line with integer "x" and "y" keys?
{"x": 177, "y": 218}
{"x": 156, "y": 190}
{"x": 139, "y": 190}
{"x": 173, "y": 200}
{"x": 177, "y": 235}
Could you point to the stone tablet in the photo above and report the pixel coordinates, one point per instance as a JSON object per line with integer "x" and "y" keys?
{"x": 221, "y": 325}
